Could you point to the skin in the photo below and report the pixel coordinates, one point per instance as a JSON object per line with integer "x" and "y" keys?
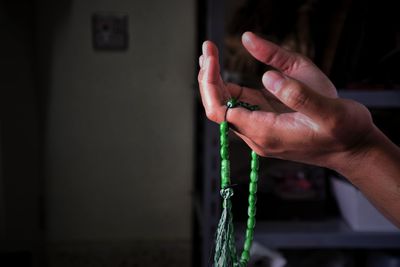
{"x": 302, "y": 119}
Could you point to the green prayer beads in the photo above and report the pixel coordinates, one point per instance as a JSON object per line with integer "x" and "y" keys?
{"x": 225, "y": 248}
{"x": 225, "y": 164}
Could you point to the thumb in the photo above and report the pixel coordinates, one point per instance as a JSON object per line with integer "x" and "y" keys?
{"x": 296, "y": 95}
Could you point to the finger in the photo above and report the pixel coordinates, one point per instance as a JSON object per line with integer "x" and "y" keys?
{"x": 208, "y": 80}
{"x": 201, "y": 59}
{"x": 212, "y": 94}
{"x": 251, "y": 124}
{"x": 296, "y": 95}
{"x": 269, "y": 53}
{"x": 210, "y": 49}
{"x": 256, "y": 148}
{"x": 211, "y": 70}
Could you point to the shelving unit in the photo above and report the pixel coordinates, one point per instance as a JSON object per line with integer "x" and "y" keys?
{"x": 373, "y": 98}
{"x": 333, "y": 233}
{"x": 330, "y": 233}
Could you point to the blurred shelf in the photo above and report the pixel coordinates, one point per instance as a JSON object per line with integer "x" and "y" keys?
{"x": 327, "y": 234}
{"x": 373, "y": 98}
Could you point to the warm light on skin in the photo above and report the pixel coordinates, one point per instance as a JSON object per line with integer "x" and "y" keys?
{"x": 321, "y": 129}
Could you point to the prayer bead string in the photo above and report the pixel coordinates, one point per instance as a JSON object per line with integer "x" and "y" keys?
{"x": 226, "y": 184}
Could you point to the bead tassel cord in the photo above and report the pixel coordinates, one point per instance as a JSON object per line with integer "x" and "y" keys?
{"x": 225, "y": 247}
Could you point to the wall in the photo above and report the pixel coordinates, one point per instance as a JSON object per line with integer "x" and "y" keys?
{"x": 119, "y": 124}
{"x": 19, "y": 131}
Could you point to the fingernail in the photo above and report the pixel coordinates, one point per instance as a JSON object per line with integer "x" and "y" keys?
{"x": 273, "y": 80}
{"x": 247, "y": 39}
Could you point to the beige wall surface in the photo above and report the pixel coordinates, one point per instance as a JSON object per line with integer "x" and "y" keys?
{"x": 120, "y": 124}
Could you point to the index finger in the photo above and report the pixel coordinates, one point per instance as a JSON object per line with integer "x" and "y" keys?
{"x": 269, "y": 53}
{"x": 214, "y": 95}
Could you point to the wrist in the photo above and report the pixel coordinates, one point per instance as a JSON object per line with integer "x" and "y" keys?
{"x": 352, "y": 160}
{"x": 373, "y": 167}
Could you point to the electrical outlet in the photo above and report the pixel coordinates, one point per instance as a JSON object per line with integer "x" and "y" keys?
{"x": 110, "y": 31}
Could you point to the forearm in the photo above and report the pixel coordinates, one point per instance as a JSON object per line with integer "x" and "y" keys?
{"x": 375, "y": 170}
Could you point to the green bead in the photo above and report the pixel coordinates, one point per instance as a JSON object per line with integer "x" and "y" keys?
{"x": 253, "y": 188}
{"x": 254, "y": 165}
{"x": 252, "y": 199}
{"x": 254, "y": 176}
{"x": 224, "y": 152}
{"x": 225, "y": 164}
{"x": 225, "y": 180}
{"x": 225, "y": 167}
{"x": 247, "y": 244}
{"x": 223, "y": 127}
{"x": 232, "y": 103}
{"x": 245, "y": 256}
{"x": 251, "y": 222}
{"x": 251, "y": 211}
{"x": 249, "y": 234}
{"x": 224, "y": 140}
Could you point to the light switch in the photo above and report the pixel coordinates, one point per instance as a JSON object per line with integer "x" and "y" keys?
{"x": 110, "y": 31}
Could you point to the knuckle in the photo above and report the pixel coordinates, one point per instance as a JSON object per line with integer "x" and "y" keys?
{"x": 270, "y": 144}
{"x": 295, "y": 96}
{"x": 267, "y": 139}
{"x": 262, "y": 153}
{"x": 212, "y": 114}
{"x": 340, "y": 115}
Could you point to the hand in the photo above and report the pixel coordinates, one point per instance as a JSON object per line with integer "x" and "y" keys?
{"x": 301, "y": 118}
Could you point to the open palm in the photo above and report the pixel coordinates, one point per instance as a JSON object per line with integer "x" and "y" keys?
{"x": 294, "y": 123}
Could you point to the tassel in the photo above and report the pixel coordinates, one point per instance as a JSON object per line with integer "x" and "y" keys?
{"x": 225, "y": 246}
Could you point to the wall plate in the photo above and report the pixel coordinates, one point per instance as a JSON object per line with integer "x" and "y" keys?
{"x": 110, "y": 31}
